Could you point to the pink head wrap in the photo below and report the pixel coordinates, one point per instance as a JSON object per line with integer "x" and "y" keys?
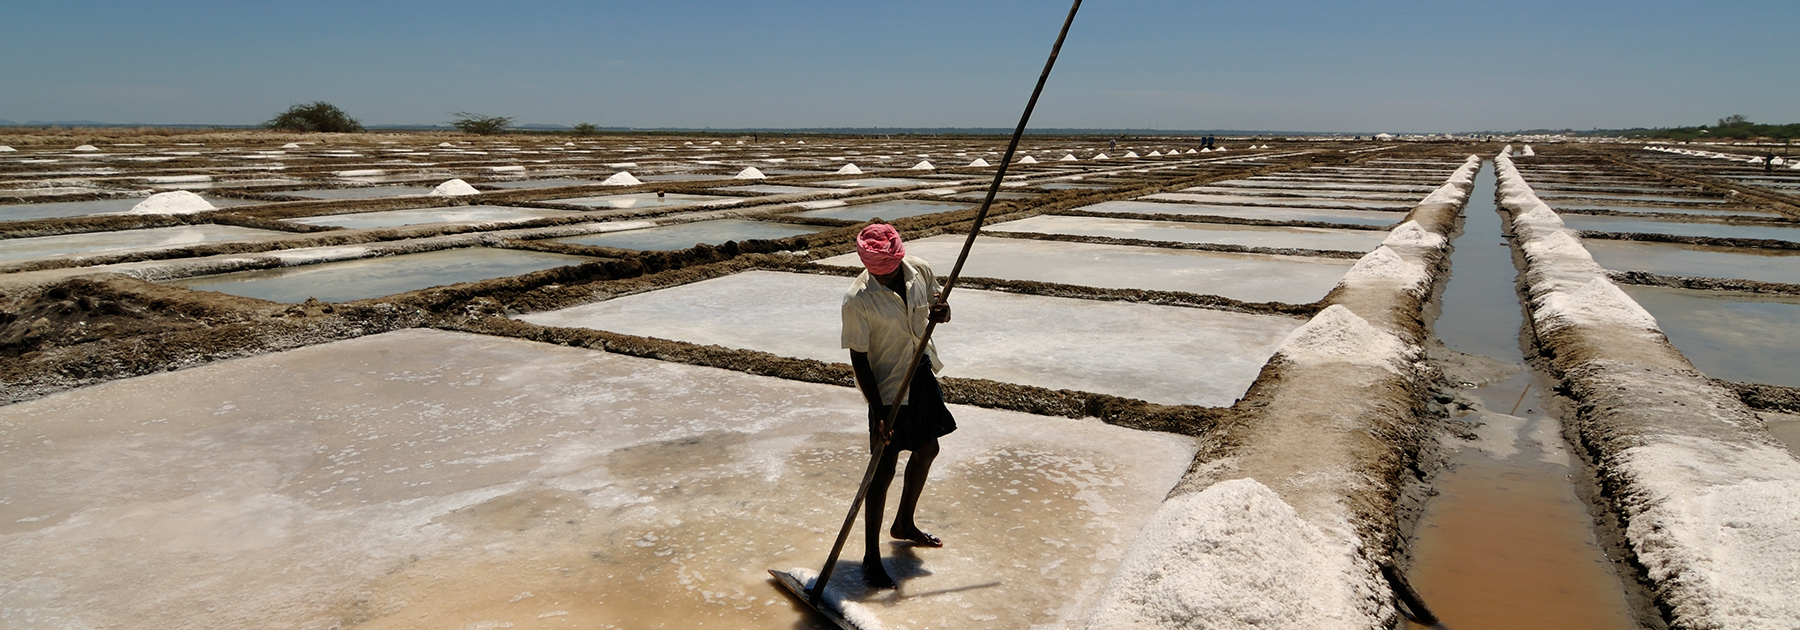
{"x": 880, "y": 248}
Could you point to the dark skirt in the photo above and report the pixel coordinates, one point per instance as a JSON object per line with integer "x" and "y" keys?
{"x": 924, "y": 417}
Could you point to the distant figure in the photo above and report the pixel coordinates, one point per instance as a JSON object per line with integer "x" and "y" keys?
{"x": 659, "y": 194}
{"x": 1112, "y": 144}
{"x": 1769, "y": 162}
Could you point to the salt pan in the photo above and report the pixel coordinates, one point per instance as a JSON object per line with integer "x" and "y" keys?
{"x": 453, "y": 188}
{"x": 173, "y": 202}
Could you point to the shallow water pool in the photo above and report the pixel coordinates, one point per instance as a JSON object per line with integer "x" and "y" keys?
{"x": 892, "y": 209}
{"x": 421, "y": 216}
{"x": 1745, "y": 337}
{"x": 647, "y": 200}
{"x": 122, "y": 241}
{"x": 365, "y": 278}
{"x": 1184, "y": 232}
{"x": 1323, "y": 215}
{"x": 1672, "y": 259}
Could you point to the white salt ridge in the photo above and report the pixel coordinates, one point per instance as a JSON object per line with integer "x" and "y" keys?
{"x": 1385, "y": 266}
{"x": 172, "y": 202}
{"x": 749, "y": 172}
{"x": 1028, "y": 160}
{"x": 1447, "y": 193}
{"x": 837, "y": 597}
{"x": 1598, "y": 303}
{"x": 849, "y": 169}
{"x": 1235, "y": 556}
{"x": 923, "y": 165}
{"x": 507, "y": 169}
{"x": 1337, "y": 335}
{"x": 1562, "y": 249}
{"x": 979, "y": 162}
{"x": 367, "y": 172}
{"x": 621, "y": 178}
{"x": 1411, "y": 234}
{"x": 453, "y": 188}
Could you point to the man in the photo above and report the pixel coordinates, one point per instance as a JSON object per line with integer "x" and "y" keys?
{"x": 885, "y": 314}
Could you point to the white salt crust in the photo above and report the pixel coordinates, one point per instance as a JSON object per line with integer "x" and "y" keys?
{"x": 1384, "y": 265}
{"x": 172, "y": 202}
{"x": 454, "y": 188}
{"x": 1337, "y": 335}
{"x": 1235, "y": 556}
{"x": 1411, "y": 234}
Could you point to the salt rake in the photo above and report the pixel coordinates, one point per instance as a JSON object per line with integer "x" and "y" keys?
{"x": 797, "y": 584}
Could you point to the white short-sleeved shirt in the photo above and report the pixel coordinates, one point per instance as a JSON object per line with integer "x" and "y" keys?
{"x": 878, "y": 323}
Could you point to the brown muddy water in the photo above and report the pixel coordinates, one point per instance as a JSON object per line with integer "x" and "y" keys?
{"x": 1505, "y": 542}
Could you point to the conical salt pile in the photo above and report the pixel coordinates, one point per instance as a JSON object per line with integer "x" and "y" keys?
{"x": 749, "y": 172}
{"x": 1131, "y": 154}
{"x": 978, "y": 162}
{"x": 1027, "y": 160}
{"x": 1068, "y": 157}
{"x": 1102, "y": 156}
{"x": 87, "y": 147}
{"x": 173, "y": 202}
{"x": 454, "y": 188}
{"x": 1192, "y": 151}
{"x": 621, "y": 178}
{"x": 716, "y": 142}
{"x": 441, "y": 144}
{"x": 849, "y": 169}
{"x": 1155, "y": 154}
{"x": 923, "y": 165}
{"x": 7, "y": 149}
{"x": 1203, "y": 150}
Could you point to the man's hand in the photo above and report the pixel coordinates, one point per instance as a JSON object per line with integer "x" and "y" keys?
{"x": 940, "y": 311}
{"x": 879, "y": 439}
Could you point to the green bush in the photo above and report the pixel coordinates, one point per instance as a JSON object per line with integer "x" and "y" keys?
{"x": 479, "y": 124}
{"x": 585, "y": 129}
{"x": 318, "y": 116}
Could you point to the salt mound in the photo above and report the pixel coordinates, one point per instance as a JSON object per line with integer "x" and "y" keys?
{"x": 1203, "y": 150}
{"x": 1384, "y": 264}
{"x": 1527, "y": 152}
{"x": 1220, "y": 149}
{"x": 749, "y": 172}
{"x": 1234, "y": 556}
{"x": 687, "y": 144}
{"x": 849, "y": 169}
{"x": 1191, "y": 151}
{"x": 716, "y": 142}
{"x": 1101, "y": 156}
{"x": 87, "y": 147}
{"x": 453, "y": 188}
{"x": 1337, "y": 335}
{"x": 800, "y": 142}
{"x": 979, "y": 162}
{"x": 1152, "y": 154}
{"x": 172, "y": 202}
{"x": 441, "y": 144}
{"x": 1599, "y": 302}
{"x": 1447, "y": 193}
{"x": 1068, "y": 157}
{"x": 291, "y": 145}
{"x": 1412, "y": 234}
{"x": 621, "y": 178}
{"x": 1028, "y": 160}
{"x": 923, "y": 165}
{"x": 841, "y": 593}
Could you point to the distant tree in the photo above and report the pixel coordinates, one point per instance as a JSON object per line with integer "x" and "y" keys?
{"x": 585, "y": 129}
{"x": 1733, "y": 120}
{"x": 480, "y": 124}
{"x": 317, "y": 116}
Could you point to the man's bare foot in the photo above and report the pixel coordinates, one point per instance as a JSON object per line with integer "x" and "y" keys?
{"x": 915, "y": 536}
{"x": 876, "y": 576}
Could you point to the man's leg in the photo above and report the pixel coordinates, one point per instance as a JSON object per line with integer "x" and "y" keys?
{"x": 918, "y": 468}
{"x": 874, "y": 574}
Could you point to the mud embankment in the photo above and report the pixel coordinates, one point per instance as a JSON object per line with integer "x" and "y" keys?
{"x": 1706, "y": 499}
{"x": 1289, "y": 510}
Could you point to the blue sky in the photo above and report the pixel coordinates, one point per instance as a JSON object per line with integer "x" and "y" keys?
{"x": 1384, "y": 65}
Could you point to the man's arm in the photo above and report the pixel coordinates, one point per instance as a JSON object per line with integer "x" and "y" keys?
{"x": 865, "y": 380}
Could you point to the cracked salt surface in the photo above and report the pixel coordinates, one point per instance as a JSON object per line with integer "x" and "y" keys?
{"x": 1247, "y": 277}
{"x": 431, "y": 479}
{"x": 1162, "y": 354}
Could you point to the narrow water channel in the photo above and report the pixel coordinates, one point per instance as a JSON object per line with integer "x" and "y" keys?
{"x": 1505, "y": 543}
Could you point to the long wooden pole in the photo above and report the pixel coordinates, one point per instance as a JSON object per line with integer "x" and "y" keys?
{"x": 817, "y": 595}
